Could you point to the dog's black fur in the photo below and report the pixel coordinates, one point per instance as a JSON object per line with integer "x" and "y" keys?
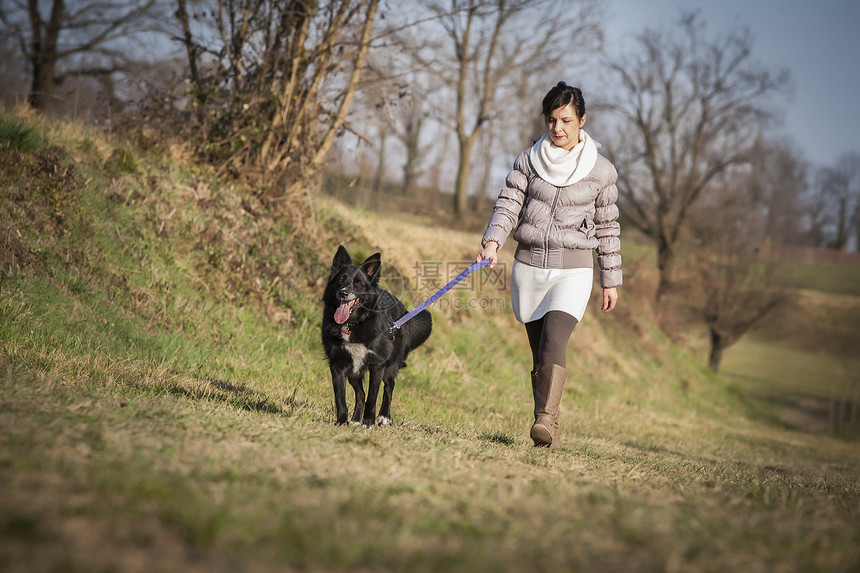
{"x": 357, "y": 336}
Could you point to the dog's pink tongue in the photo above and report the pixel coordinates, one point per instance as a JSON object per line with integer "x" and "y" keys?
{"x": 341, "y": 315}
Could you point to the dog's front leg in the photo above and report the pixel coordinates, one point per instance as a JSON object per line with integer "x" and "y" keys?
{"x": 357, "y": 383}
{"x": 372, "y": 393}
{"x": 338, "y": 382}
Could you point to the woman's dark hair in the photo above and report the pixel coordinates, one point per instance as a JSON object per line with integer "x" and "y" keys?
{"x": 559, "y": 96}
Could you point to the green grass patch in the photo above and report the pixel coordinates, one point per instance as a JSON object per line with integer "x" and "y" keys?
{"x": 822, "y": 277}
{"x": 18, "y": 136}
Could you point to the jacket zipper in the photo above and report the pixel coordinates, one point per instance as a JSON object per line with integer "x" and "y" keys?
{"x": 546, "y": 233}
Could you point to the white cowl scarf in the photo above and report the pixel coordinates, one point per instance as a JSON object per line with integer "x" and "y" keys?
{"x": 560, "y": 167}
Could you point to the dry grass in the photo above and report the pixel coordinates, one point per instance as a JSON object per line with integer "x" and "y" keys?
{"x": 112, "y": 478}
{"x": 164, "y": 405}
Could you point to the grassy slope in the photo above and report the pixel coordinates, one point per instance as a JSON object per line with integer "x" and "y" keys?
{"x": 166, "y": 405}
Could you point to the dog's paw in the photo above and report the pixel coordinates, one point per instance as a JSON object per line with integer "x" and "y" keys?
{"x": 383, "y": 421}
{"x": 354, "y": 423}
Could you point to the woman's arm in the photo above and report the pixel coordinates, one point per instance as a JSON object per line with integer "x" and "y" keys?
{"x": 608, "y": 232}
{"x": 507, "y": 209}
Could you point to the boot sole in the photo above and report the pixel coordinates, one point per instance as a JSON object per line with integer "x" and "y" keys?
{"x": 541, "y": 436}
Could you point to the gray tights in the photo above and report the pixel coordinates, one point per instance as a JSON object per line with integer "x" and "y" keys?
{"x": 548, "y": 338}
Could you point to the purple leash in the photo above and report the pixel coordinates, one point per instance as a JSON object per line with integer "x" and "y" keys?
{"x": 438, "y": 294}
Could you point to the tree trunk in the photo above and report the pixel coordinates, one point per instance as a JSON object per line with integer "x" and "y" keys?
{"x": 461, "y": 187}
{"x": 855, "y": 226}
{"x": 841, "y": 241}
{"x": 42, "y": 87}
{"x": 379, "y": 176}
{"x": 666, "y": 266}
{"x": 199, "y": 95}
{"x": 718, "y": 345}
{"x": 410, "y": 167}
{"x": 43, "y": 54}
{"x": 351, "y": 88}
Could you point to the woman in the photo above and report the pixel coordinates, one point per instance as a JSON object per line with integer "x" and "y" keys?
{"x": 560, "y": 201}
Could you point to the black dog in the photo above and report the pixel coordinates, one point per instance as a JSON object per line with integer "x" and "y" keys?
{"x": 357, "y": 336}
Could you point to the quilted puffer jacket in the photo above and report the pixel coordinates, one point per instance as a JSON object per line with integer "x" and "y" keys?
{"x": 558, "y": 227}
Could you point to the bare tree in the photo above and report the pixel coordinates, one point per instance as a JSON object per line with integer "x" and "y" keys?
{"x": 59, "y": 39}
{"x": 774, "y": 184}
{"x": 482, "y": 54}
{"x": 410, "y": 118}
{"x": 855, "y": 225}
{"x": 399, "y": 96}
{"x": 690, "y": 108}
{"x": 849, "y": 201}
{"x": 191, "y": 51}
{"x": 12, "y": 76}
{"x": 390, "y": 108}
{"x": 737, "y": 297}
{"x": 279, "y": 78}
{"x": 839, "y": 196}
{"x": 731, "y": 234}
{"x": 413, "y": 126}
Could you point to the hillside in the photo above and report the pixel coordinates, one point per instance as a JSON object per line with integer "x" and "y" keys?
{"x": 166, "y": 404}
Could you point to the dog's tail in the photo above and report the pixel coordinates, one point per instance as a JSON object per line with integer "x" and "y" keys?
{"x": 417, "y": 330}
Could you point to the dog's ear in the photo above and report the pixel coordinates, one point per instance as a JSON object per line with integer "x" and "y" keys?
{"x": 341, "y": 259}
{"x": 371, "y": 266}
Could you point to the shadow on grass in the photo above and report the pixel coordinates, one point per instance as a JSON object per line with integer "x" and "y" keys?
{"x": 498, "y": 438}
{"x": 238, "y": 396}
{"x": 837, "y": 416}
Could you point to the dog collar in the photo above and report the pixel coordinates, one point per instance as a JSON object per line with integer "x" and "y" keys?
{"x": 345, "y": 330}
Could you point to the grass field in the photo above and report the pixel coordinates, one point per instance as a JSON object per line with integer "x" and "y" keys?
{"x": 165, "y": 404}
{"x": 804, "y": 360}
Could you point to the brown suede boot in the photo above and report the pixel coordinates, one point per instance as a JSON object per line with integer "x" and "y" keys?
{"x": 548, "y": 389}
{"x": 534, "y": 376}
{"x": 534, "y": 382}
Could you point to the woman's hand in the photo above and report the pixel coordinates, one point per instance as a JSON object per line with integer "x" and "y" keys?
{"x": 489, "y": 252}
{"x": 610, "y": 298}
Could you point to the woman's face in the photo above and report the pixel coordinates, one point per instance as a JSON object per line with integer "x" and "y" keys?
{"x": 564, "y": 126}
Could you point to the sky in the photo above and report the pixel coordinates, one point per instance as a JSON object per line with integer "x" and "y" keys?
{"x": 817, "y": 40}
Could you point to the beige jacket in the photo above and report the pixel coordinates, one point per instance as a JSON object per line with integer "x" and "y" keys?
{"x": 558, "y": 227}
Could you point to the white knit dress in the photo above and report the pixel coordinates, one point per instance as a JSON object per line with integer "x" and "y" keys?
{"x": 535, "y": 291}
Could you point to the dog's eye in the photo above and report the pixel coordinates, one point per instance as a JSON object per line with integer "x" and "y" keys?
{"x": 357, "y": 283}
{"x": 341, "y": 279}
